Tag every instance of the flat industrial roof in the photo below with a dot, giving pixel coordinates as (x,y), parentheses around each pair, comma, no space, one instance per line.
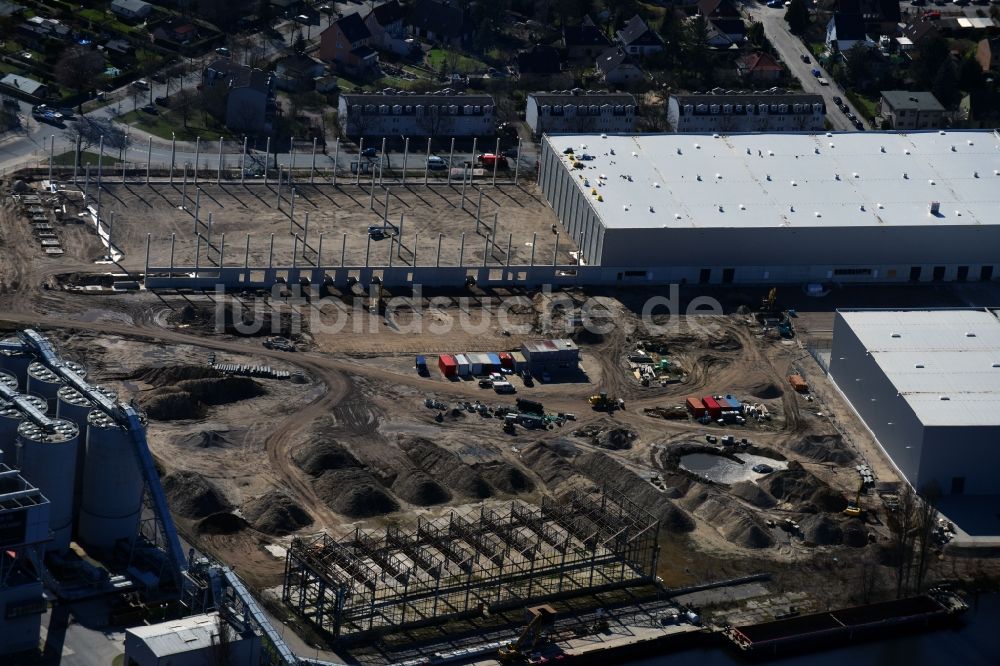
(848,179)
(944,363)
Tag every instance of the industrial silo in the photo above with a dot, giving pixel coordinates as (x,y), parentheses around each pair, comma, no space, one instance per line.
(74,406)
(8,380)
(46,383)
(10,418)
(14,362)
(48,460)
(112,485)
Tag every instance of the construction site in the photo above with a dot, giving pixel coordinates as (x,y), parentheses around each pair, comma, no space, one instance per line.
(653,482)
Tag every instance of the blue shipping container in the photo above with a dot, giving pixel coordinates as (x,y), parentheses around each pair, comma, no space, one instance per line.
(494,361)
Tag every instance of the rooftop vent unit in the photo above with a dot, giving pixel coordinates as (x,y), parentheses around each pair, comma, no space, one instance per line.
(935,207)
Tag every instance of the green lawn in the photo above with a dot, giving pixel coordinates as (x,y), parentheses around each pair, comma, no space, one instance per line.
(864,105)
(462,64)
(87,157)
(97,17)
(168,121)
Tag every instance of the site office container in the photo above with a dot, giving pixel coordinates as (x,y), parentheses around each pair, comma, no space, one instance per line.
(519,361)
(712,407)
(448,365)
(732,403)
(475,364)
(464,367)
(506,360)
(798,383)
(494,362)
(696,407)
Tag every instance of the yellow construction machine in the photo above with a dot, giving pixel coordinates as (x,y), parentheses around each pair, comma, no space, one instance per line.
(542,619)
(854,507)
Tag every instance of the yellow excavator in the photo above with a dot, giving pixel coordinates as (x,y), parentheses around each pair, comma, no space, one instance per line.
(854,509)
(542,619)
(767,304)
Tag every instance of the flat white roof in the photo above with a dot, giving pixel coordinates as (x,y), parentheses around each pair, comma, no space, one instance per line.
(847,179)
(944,363)
(179,636)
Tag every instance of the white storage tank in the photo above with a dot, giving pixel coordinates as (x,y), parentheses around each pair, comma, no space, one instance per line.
(112,485)
(48,460)
(16,363)
(74,406)
(10,419)
(46,383)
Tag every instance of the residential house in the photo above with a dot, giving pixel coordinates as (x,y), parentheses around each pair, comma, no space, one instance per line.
(388,28)
(728,112)
(131,10)
(907,110)
(579,111)
(119,49)
(881,17)
(726,33)
(435,115)
(22,86)
(241,97)
(297,73)
(585,41)
(288,8)
(439,21)
(10,9)
(179,32)
(981,109)
(916,32)
(538,60)
(346,43)
(618,69)
(717,9)
(37,29)
(988,53)
(638,39)
(759,66)
(845,31)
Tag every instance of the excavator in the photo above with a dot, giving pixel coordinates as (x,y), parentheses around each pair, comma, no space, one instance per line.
(768,304)
(854,509)
(542,619)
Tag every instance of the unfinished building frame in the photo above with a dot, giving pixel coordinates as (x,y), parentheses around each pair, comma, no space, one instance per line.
(494,558)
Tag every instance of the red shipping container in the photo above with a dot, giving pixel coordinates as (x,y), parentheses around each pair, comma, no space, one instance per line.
(696,407)
(448,365)
(506,360)
(712,407)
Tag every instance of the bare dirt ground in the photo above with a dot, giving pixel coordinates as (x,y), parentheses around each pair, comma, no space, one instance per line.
(354,445)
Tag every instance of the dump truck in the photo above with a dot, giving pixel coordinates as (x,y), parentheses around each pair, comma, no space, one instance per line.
(602,402)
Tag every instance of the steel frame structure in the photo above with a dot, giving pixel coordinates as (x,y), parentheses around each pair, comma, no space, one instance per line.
(494,557)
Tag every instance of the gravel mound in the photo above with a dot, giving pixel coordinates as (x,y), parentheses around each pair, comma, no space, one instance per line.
(418,487)
(766,391)
(754,494)
(802,489)
(355,493)
(505,477)
(275,513)
(191,495)
(317,457)
(821,530)
(606,471)
(824,448)
(223,390)
(545,460)
(446,467)
(171,374)
(738,525)
(171,404)
(855,534)
(221,523)
(206,439)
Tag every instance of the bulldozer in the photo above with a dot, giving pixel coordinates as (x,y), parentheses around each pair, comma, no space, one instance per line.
(517,652)
(602,402)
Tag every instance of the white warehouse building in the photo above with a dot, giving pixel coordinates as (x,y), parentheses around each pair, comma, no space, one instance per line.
(773,208)
(927,385)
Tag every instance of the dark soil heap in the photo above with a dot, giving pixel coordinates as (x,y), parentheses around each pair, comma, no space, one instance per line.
(276,513)
(736,523)
(355,493)
(505,477)
(193,496)
(754,494)
(321,455)
(183,391)
(803,490)
(824,448)
(171,404)
(821,530)
(221,523)
(417,487)
(446,467)
(545,460)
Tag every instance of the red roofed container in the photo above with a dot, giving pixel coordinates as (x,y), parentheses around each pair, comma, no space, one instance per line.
(448,365)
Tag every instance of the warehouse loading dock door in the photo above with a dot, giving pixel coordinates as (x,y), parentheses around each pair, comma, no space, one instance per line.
(915,274)
(939,273)
(728,275)
(705,276)
(986,273)
(963,273)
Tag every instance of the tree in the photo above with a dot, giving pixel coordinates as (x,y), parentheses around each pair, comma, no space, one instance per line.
(902,522)
(755,33)
(945,86)
(858,66)
(78,67)
(932,51)
(797,16)
(970,75)
(184,103)
(86,132)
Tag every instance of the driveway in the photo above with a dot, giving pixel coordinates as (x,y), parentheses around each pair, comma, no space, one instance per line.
(791,49)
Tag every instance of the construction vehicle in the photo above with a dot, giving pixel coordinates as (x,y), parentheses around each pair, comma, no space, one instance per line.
(854,507)
(770,302)
(602,402)
(518,652)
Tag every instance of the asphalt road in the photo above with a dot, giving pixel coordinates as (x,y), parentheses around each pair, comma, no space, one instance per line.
(791,49)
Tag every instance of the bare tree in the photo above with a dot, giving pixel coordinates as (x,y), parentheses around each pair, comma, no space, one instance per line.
(184,102)
(902,525)
(926,522)
(86,132)
(433,122)
(78,67)
(222,643)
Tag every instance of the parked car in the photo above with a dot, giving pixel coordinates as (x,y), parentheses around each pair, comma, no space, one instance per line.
(369,152)
(775,4)
(816,73)
(838,101)
(805,58)
(141,84)
(162,101)
(222,51)
(851,116)
(434,162)
(151,110)
(860,125)
(823,81)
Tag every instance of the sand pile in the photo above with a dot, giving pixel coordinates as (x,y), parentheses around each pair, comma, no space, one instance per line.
(821,530)
(171,374)
(605,471)
(170,404)
(355,493)
(193,496)
(275,513)
(803,490)
(824,448)
(446,467)
(223,390)
(738,525)
(318,456)
(548,462)
(418,487)
(766,391)
(221,523)
(206,439)
(251,322)
(754,494)
(505,477)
